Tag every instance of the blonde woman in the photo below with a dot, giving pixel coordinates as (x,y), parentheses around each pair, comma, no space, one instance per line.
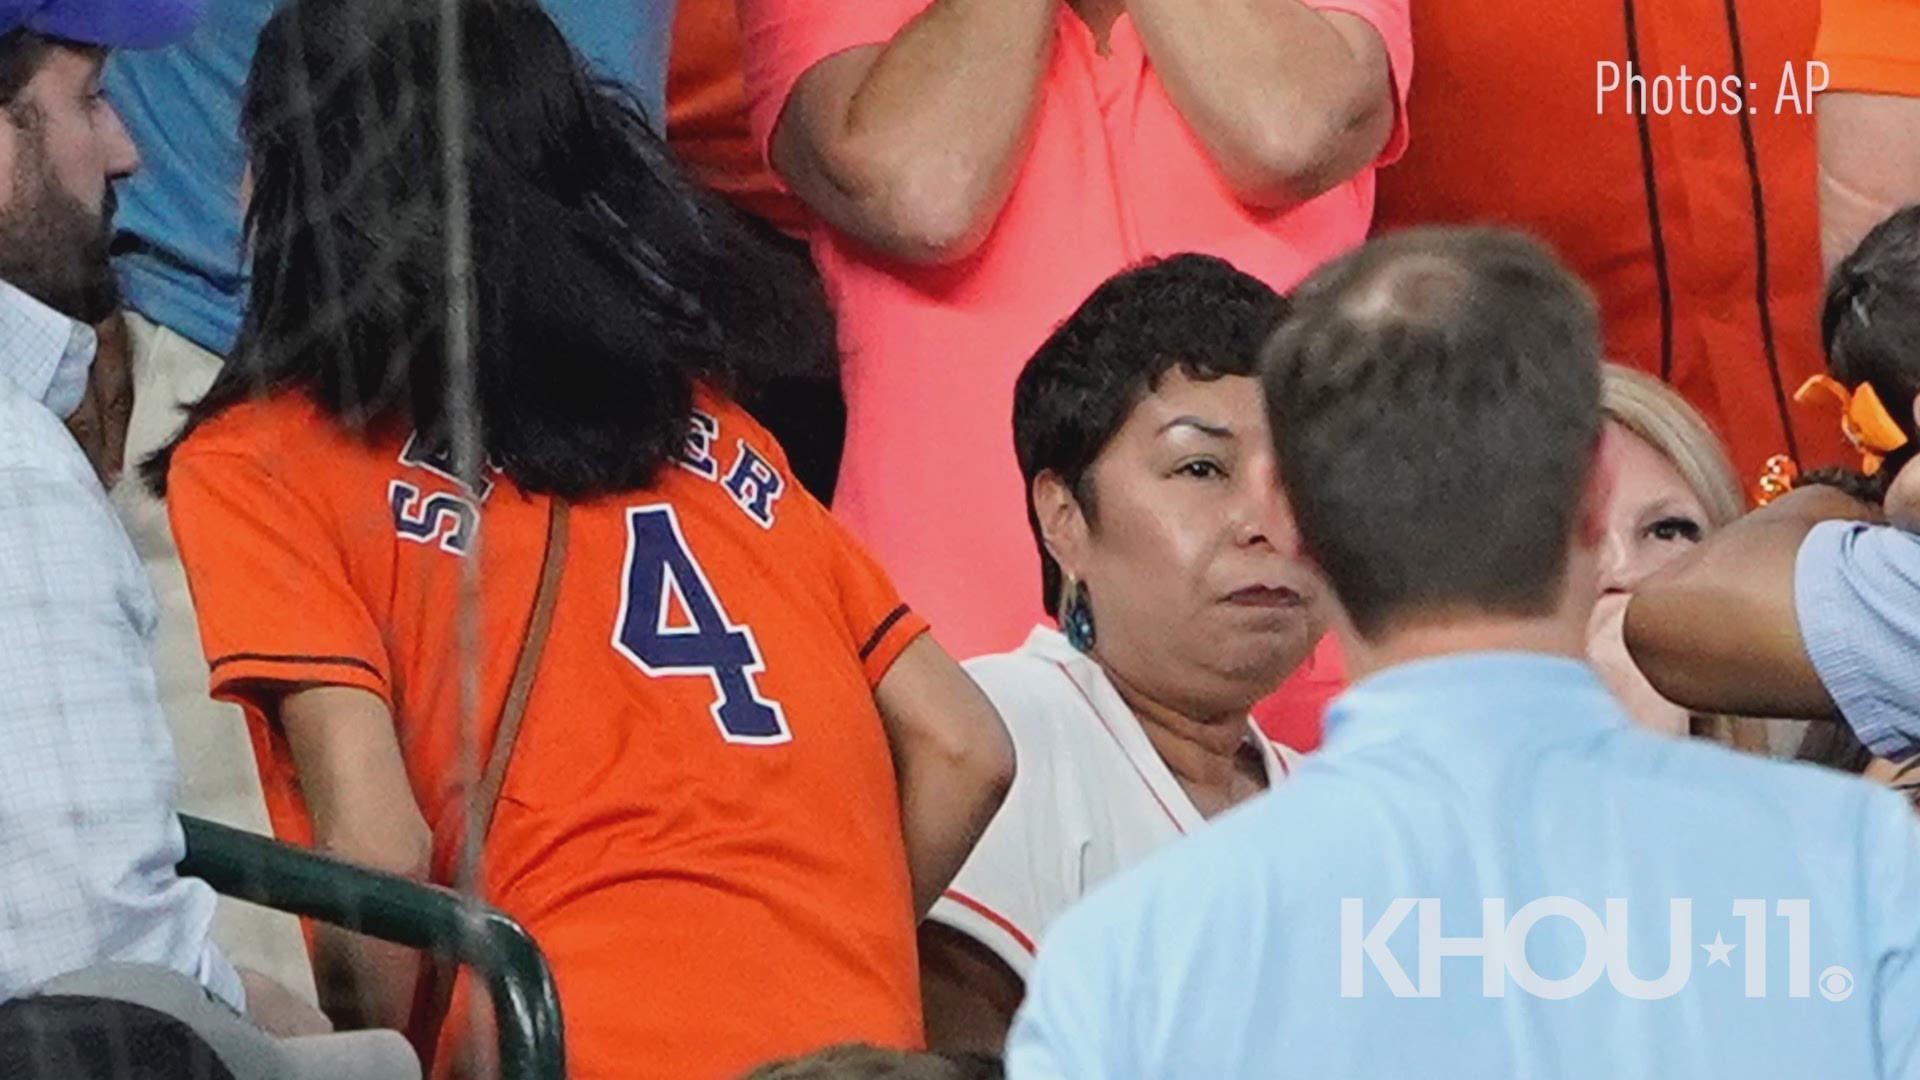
(1672,485)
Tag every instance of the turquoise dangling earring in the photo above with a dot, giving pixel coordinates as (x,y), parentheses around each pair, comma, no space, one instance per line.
(1076,617)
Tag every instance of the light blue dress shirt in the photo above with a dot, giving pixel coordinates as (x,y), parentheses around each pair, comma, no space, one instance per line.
(1268,945)
(88,782)
(1857,595)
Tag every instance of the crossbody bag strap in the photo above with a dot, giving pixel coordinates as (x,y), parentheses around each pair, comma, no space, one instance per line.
(431,1011)
(487,796)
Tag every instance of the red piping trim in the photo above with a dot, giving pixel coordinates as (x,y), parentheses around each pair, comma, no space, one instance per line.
(993,917)
(1115,736)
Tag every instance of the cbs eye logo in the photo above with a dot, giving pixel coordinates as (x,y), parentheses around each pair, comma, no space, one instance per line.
(1836,983)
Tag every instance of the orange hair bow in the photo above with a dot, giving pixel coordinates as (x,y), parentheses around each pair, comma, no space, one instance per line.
(1781,476)
(1863,417)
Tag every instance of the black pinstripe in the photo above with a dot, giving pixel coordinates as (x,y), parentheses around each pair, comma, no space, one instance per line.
(1662,274)
(1762,289)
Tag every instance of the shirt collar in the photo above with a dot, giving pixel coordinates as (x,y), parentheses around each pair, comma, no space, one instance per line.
(44,353)
(1049,644)
(1044,640)
(1522,693)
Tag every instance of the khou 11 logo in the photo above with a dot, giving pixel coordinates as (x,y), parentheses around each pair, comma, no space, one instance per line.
(1502,949)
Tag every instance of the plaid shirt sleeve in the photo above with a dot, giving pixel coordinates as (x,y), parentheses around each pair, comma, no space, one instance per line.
(88,782)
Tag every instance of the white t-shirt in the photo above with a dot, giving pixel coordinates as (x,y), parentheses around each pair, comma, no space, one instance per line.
(1091,797)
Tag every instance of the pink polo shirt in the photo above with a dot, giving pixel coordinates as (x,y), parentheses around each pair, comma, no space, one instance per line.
(928,481)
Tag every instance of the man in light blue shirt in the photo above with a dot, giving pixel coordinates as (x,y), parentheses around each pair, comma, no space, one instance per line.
(1810,607)
(1486,871)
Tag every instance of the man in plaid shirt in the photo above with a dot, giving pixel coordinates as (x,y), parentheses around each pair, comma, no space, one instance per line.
(89,837)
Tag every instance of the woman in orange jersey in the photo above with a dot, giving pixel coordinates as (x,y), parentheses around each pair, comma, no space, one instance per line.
(731,767)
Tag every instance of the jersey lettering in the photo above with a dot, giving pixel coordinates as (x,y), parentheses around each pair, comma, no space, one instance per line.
(451,520)
(754,485)
(702,641)
(446,519)
(697,455)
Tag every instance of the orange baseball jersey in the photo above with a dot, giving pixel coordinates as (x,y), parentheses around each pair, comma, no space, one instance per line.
(707,122)
(1694,221)
(1871,46)
(700,823)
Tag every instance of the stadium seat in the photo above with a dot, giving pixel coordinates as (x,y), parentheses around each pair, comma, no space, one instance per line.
(496,948)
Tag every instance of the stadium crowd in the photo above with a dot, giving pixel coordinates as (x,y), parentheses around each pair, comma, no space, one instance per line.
(961,538)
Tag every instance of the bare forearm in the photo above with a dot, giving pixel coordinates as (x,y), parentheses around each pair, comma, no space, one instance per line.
(914,149)
(1737,655)
(953,760)
(1718,631)
(1869,166)
(364,982)
(943,811)
(1288,102)
(354,778)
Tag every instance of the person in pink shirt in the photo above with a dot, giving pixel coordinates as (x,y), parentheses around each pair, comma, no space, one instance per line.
(977,167)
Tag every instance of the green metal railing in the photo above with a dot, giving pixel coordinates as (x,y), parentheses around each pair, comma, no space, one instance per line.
(286,878)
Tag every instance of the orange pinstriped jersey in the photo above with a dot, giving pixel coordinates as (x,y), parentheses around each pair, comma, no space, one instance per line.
(1871,46)
(700,823)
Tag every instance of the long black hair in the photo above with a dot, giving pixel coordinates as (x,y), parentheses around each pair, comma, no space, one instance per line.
(604,284)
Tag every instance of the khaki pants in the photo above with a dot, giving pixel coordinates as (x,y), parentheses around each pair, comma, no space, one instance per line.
(219,779)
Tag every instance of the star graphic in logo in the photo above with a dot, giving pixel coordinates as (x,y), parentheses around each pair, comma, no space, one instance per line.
(1717,952)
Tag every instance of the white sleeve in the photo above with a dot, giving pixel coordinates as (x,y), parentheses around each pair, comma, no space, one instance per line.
(1024,872)
(88,782)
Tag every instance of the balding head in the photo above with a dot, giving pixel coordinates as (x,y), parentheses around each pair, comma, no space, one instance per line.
(1436,407)
(1420,287)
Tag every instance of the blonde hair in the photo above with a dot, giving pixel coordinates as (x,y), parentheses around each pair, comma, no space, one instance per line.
(1654,412)
(1662,418)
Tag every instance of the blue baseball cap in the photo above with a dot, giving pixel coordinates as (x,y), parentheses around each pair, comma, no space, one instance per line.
(112,24)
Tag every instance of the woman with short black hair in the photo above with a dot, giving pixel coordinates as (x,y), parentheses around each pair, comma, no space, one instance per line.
(1169,564)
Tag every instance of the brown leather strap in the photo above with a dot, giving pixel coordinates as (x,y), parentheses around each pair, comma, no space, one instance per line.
(520,690)
(430,1013)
